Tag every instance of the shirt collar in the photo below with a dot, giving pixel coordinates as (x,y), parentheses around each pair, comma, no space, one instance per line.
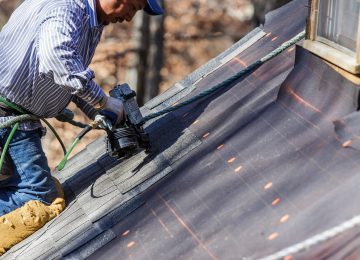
(91,11)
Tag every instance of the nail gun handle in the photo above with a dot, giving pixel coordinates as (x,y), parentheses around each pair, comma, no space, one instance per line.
(131,107)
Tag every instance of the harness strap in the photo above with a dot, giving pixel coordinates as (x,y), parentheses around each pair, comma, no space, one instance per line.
(18,115)
(7,109)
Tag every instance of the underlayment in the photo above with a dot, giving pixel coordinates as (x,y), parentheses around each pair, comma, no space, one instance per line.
(270,173)
(245,172)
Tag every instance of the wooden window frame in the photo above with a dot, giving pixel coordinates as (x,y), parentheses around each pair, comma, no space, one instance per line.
(327,49)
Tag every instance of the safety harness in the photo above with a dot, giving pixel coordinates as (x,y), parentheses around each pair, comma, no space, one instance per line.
(18,114)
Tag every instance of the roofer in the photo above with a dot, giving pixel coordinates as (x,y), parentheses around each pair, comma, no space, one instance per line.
(45,50)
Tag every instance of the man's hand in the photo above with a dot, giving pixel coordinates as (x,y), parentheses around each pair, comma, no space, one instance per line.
(113,109)
(102,122)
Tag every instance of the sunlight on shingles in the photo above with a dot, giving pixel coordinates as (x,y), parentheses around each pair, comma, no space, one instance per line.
(291,49)
(275,202)
(221,146)
(195,122)
(274,39)
(126,233)
(238,169)
(268,186)
(206,135)
(231,160)
(131,244)
(273,236)
(346,144)
(284,218)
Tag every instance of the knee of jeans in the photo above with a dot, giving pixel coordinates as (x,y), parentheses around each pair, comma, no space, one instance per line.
(9,201)
(53,191)
(5,210)
(51,196)
(47,195)
(3,131)
(45,198)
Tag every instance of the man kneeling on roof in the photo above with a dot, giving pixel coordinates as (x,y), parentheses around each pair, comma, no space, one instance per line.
(45,50)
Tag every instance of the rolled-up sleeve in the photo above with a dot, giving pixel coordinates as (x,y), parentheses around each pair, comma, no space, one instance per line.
(59,37)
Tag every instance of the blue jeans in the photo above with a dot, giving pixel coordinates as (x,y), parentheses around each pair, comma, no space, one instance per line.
(31,179)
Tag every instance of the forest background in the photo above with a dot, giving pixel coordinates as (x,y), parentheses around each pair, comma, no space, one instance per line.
(153,53)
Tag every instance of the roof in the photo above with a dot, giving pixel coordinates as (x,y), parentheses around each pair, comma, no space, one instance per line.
(245,172)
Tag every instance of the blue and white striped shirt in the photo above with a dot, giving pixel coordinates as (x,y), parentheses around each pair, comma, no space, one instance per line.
(45,50)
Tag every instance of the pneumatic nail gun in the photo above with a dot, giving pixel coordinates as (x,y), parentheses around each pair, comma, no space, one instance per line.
(125,141)
(121,142)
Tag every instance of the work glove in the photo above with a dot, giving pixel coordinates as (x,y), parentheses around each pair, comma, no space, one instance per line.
(113,110)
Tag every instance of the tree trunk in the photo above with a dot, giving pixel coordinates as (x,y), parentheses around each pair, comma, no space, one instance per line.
(262,7)
(135,75)
(155,59)
(145,66)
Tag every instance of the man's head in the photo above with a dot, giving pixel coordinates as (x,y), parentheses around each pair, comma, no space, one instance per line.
(112,11)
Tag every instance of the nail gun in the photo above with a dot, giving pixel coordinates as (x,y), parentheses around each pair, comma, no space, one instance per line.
(126,140)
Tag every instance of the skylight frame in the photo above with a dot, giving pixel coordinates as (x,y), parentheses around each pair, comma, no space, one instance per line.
(327,49)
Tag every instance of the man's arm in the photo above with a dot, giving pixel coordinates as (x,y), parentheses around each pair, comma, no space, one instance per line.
(59,40)
(87,109)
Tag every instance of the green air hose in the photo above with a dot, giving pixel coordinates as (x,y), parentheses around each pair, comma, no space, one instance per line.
(13,130)
(15,124)
(76,141)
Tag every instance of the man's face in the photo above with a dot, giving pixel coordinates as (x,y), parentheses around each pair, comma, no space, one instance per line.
(112,11)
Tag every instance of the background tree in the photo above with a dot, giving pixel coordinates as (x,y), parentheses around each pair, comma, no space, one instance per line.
(6,8)
(147,61)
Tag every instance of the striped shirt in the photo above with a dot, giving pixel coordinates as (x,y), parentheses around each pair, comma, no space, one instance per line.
(45,50)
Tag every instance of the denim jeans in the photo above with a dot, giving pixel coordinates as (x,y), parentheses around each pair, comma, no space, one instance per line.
(31,179)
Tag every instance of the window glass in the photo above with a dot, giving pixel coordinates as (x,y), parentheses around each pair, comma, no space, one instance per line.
(338,22)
